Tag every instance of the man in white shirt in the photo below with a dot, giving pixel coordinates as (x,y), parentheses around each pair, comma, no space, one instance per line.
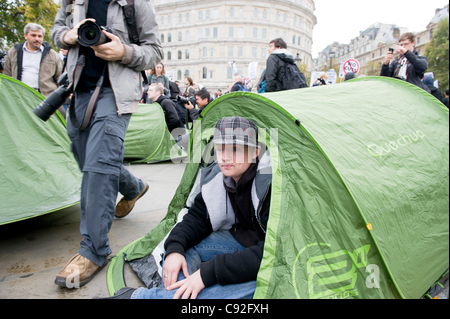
(34,62)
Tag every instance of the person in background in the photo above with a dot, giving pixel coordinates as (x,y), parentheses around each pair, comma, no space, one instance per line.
(429,82)
(189,91)
(410,66)
(202,99)
(34,62)
(322,80)
(445,99)
(158,75)
(156,94)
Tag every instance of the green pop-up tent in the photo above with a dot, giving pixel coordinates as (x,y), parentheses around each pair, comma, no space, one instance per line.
(360,191)
(38,173)
(148,139)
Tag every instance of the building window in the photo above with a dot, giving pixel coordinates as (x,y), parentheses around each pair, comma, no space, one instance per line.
(255,14)
(241,12)
(187,54)
(162,38)
(186,73)
(180,36)
(205,73)
(180,55)
(265,14)
(241,32)
(240,52)
(169,56)
(229,73)
(216,33)
(231,32)
(179,75)
(180,18)
(205,52)
(231,12)
(169,38)
(230,52)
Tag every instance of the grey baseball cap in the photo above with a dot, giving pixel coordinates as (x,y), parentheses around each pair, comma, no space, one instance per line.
(236,131)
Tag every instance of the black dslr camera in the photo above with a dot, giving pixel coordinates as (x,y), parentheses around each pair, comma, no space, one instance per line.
(91,35)
(51,104)
(182,100)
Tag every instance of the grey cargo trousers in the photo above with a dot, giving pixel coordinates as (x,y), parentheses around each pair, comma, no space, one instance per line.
(99,151)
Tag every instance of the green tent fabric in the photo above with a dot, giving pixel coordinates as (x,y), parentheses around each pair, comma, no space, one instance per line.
(148,139)
(38,173)
(360,190)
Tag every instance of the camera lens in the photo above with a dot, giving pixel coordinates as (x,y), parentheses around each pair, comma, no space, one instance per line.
(90,34)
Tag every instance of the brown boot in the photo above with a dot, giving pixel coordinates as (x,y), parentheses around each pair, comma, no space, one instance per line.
(124,207)
(78,272)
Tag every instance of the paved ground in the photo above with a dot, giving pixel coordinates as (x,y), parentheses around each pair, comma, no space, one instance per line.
(32,252)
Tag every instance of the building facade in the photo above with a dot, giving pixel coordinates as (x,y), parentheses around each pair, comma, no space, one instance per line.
(200,38)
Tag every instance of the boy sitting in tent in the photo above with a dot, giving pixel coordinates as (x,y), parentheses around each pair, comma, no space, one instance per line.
(216,251)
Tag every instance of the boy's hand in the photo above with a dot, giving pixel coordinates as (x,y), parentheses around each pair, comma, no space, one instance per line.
(189,288)
(172,266)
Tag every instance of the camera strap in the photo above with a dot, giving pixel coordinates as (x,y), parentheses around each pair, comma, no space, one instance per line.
(90,108)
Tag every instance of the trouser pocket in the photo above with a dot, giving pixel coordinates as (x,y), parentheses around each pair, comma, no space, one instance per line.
(112,147)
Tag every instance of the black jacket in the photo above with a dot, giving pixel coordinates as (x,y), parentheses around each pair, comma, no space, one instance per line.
(170,113)
(436,93)
(417,66)
(276,72)
(227,269)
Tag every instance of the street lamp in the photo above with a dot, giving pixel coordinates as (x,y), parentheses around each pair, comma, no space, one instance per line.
(298,60)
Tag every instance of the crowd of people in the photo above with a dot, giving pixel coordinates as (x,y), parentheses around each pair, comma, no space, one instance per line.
(240,235)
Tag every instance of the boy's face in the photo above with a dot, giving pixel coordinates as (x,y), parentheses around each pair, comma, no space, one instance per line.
(234,160)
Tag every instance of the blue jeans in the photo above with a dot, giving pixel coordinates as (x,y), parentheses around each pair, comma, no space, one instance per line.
(218,243)
(99,151)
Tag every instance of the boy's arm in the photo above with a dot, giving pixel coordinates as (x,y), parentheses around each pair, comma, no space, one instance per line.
(237,268)
(192,230)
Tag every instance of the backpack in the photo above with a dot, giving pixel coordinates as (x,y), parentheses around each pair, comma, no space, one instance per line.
(294,78)
(243,88)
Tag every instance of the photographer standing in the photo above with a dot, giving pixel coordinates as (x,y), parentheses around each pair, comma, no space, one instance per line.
(98,143)
(409,67)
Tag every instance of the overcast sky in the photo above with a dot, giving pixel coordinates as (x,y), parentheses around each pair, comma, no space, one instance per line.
(341,20)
